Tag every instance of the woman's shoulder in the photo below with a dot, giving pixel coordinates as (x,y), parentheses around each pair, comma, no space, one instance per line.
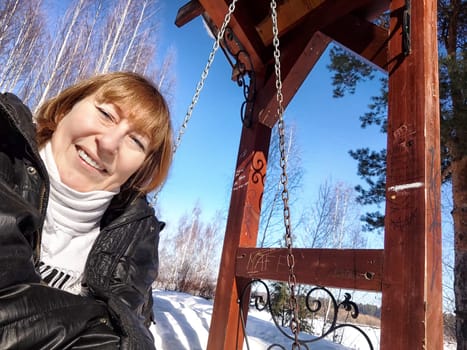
(15,114)
(14,106)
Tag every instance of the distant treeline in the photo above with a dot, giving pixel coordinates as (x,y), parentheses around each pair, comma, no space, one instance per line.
(368,309)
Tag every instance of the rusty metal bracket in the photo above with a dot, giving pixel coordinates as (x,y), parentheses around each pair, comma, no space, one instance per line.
(242,72)
(406,39)
(242,69)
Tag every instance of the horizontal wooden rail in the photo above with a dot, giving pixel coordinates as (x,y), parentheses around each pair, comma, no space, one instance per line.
(341,268)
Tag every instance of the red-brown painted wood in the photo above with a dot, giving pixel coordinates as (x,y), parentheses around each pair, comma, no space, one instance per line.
(341,268)
(411,277)
(362,37)
(412,301)
(188,12)
(242,229)
(298,59)
(217,11)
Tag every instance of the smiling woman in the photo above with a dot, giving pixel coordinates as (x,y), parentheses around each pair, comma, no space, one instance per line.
(114,98)
(96,147)
(78,240)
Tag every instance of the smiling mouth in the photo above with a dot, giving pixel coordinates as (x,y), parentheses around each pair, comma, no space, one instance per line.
(88,160)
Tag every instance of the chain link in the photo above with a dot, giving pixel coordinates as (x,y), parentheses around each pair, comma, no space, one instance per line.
(293,303)
(199,87)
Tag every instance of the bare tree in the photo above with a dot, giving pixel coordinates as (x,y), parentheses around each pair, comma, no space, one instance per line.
(332,221)
(316,223)
(38,61)
(21,27)
(116,29)
(61,58)
(194,253)
(271,227)
(7,20)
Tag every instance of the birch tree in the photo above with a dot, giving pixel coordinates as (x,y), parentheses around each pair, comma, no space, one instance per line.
(271,227)
(7,20)
(93,36)
(332,221)
(116,31)
(21,27)
(192,255)
(63,48)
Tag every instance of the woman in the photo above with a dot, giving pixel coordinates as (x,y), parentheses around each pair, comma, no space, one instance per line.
(78,240)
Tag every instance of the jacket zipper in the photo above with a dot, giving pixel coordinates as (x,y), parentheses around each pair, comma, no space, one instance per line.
(42,206)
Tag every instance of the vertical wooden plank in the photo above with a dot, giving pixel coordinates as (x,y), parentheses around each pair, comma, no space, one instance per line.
(241,230)
(412,301)
(245,204)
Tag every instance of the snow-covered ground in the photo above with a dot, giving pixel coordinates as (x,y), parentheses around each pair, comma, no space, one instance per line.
(182,322)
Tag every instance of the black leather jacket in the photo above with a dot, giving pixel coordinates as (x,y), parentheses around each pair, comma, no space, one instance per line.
(122,263)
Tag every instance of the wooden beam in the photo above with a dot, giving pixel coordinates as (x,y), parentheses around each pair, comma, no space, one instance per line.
(324,14)
(340,268)
(300,49)
(412,291)
(299,56)
(216,11)
(289,13)
(373,9)
(188,12)
(241,230)
(364,38)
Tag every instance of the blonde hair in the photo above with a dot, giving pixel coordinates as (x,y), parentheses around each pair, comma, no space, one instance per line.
(146,108)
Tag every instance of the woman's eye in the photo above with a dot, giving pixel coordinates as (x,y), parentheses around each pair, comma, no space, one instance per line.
(138,142)
(104,113)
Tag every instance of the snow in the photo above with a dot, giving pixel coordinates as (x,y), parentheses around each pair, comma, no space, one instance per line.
(182,322)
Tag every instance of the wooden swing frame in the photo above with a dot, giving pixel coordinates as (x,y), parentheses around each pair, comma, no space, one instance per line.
(407,271)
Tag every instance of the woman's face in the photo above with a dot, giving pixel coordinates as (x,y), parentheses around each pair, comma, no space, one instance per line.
(96,148)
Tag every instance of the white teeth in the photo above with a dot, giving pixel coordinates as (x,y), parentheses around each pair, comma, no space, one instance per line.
(88,160)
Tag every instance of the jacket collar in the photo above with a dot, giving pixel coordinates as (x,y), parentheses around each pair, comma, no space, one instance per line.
(125,207)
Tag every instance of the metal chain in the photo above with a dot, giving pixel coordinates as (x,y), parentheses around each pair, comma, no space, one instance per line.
(293,304)
(199,87)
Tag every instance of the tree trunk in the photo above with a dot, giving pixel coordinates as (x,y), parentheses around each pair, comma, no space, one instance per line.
(135,33)
(116,37)
(459,193)
(60,56)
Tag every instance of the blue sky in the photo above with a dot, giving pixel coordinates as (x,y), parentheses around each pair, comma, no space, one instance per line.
(204,164)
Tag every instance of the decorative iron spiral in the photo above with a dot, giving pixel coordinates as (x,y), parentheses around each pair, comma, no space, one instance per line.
(313,305)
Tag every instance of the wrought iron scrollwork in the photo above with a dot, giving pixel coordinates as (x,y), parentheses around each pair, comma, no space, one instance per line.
(242,72)
(313,305)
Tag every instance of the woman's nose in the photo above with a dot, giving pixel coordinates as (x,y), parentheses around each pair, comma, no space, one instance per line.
(110,140)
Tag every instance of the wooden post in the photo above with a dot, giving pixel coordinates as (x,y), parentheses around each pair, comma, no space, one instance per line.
(412,295)
(241,231)
(245,203)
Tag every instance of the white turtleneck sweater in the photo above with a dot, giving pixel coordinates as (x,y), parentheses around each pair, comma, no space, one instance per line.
(70,229)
